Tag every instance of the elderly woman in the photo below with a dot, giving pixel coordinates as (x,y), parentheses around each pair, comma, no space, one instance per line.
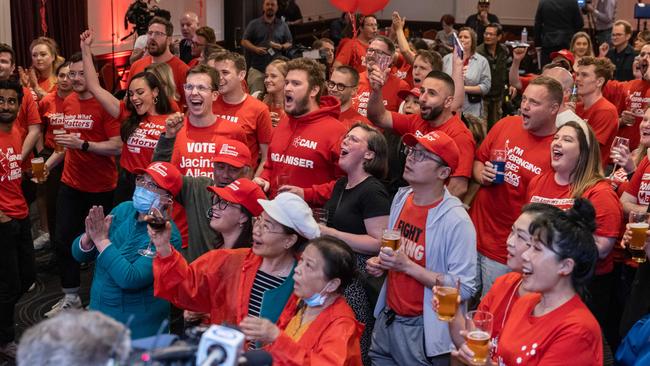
(322,330)
(123,281)
(231,284)
(476,72)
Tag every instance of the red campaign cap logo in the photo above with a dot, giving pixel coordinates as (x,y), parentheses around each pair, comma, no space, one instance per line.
(234,185)
(159,168)
(228,150)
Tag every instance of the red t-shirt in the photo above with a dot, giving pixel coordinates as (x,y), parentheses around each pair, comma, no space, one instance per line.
(196,146)
(27,116)
(405,293)
(453,127)
(639,186)
(306,148)
(567,335)
(389,92)
(179,70)
(83,170)
(253,117)
(602,116)
(277,114)
(12,201)
(500,300)
(51,109)
(138,149)
(496,207)
(634,96)
(609,212)
(351,116)
(353,53)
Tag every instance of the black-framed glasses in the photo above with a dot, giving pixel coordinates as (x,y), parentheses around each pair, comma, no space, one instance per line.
(420,155)
(338,86)
(373,51)
(156,34)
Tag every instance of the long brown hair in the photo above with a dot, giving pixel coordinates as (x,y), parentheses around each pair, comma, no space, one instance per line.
(588,170)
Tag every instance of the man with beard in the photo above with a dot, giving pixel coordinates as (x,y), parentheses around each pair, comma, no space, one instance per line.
(526,140)
(189,24)
(265,38)
(380,54)
(203,36)
(353,51)
(239,107)
(17,269)
(305,146)
(231,161)
(342,85)
(159,35)
(436,114)
(89,175)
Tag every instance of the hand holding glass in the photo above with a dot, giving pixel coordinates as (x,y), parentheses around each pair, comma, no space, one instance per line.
(447,292)
(157,217)
(639,226)
(479,332)
(617,144)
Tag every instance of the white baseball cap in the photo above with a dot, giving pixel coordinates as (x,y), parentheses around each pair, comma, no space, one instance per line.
(292,211)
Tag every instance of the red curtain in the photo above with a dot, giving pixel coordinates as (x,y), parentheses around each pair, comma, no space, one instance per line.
(65,20)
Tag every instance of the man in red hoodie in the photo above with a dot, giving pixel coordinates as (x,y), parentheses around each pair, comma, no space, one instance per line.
(305,147)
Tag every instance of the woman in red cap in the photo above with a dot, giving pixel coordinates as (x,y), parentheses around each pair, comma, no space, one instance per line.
(122,285)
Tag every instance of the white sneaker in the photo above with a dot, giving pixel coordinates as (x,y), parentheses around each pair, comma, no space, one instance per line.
(66,303)
(41,241)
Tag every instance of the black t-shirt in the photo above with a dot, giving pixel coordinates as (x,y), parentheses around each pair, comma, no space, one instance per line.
(347,208)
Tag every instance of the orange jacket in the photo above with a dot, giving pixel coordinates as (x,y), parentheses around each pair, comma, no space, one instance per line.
(332,339)
(219,282)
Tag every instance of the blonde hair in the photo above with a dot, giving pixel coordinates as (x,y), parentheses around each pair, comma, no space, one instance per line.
(163,72)
(590,48)
(53,47)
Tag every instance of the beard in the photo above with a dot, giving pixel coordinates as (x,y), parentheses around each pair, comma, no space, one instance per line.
(156,50)
(432,114)
(7,116)
(302,107)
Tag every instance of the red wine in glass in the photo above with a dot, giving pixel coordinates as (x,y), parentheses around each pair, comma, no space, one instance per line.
(159,214)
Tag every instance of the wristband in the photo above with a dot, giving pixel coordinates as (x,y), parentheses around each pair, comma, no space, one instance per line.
(85,146)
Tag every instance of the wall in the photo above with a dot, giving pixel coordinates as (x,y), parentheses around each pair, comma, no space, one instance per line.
(5,21)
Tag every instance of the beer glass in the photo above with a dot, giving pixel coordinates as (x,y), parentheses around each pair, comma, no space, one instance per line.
(38,169)
(390,238)
(448,290)
(498,159)
(479,332)
(320,215)
(639,226)
(157,217)
(58,148)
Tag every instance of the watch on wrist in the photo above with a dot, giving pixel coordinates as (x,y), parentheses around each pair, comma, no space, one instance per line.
(85,146)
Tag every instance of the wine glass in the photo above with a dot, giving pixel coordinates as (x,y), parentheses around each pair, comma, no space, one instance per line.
(618,143)
(157,217)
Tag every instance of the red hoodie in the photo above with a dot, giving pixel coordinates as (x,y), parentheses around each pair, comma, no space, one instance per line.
(306,148)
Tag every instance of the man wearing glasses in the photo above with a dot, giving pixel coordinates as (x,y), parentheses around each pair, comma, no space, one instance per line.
(353,51)
(380,54)
(622,53)
(342,85)
(159,35)
(436,238)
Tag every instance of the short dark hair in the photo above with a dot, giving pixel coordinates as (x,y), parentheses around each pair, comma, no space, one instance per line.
(8,49)
(13,84)
(319,43)
(339,259)
(553,87)
(76,57)
(432,57)
(362,21)
(207,33)
(377,166)
(169,27)
(315,73)
(448,19)
(349,70)
(497,26)
(63,64)
(236,58)
(205,69)
(444,77)
(387,41)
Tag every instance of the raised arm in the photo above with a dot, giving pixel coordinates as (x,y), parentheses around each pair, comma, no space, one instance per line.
(402,42)
(103,96)
(377,113)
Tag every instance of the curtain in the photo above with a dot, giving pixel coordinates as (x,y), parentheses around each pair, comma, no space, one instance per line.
(65,20)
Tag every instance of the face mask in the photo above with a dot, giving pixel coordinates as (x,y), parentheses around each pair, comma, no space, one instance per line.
(143,199)
(317,299)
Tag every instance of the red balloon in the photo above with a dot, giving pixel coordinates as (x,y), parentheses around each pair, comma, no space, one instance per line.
(348,6)
(367,7)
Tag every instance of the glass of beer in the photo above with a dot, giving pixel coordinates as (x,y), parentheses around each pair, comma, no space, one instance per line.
(447,292)
(38,169)
(320,215)
(58,148)
(479,332)
(639,226)
(390,238)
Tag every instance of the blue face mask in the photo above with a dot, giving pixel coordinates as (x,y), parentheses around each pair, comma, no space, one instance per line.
(143,199)
(317,299)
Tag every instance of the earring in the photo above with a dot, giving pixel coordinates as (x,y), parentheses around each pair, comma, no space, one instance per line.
(155,100)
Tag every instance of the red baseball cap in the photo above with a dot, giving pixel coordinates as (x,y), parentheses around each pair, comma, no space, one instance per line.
(564,53)
(402,94)
(438,143)
(233,152)
(242,191)
(165,175)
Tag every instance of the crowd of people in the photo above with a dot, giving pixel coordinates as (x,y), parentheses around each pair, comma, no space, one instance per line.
(265,192)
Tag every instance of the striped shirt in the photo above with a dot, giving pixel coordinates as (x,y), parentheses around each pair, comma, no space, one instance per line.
(263,282)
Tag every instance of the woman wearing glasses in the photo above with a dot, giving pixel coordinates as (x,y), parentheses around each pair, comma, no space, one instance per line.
(231,284)
(122,284)
(143,114)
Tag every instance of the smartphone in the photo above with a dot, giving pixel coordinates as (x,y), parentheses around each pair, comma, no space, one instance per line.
(383,61)
(459,47)
(581,3)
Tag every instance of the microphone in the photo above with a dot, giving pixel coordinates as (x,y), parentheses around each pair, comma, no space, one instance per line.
(216,356)
(220,345)
(256,357)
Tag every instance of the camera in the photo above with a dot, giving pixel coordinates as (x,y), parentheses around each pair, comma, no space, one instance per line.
(139,14)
